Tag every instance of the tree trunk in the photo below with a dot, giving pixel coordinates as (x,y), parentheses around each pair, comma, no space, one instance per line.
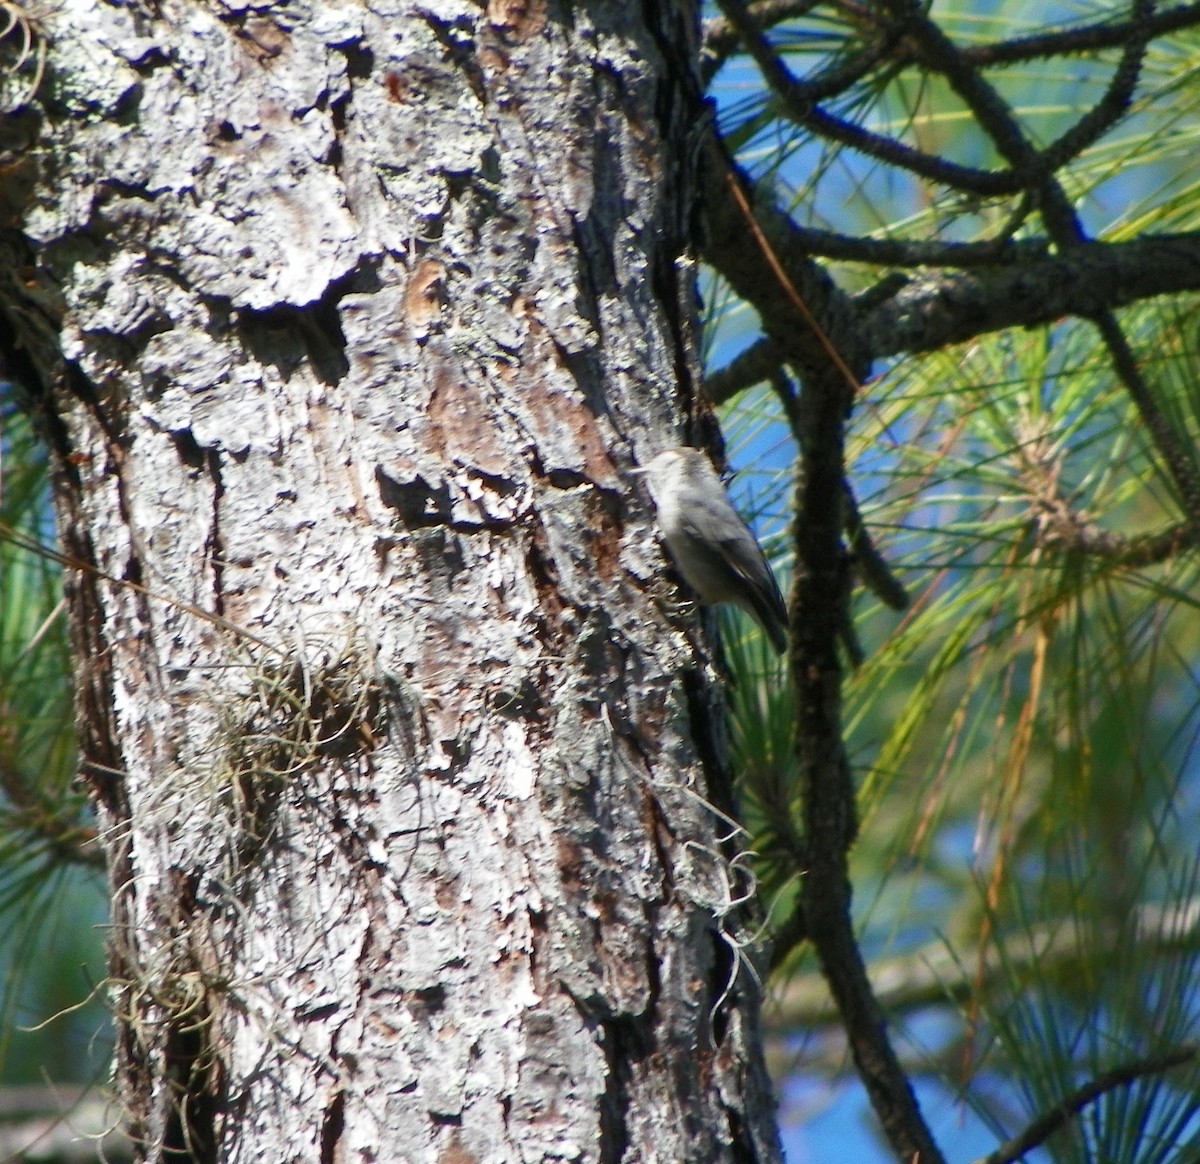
(404,753)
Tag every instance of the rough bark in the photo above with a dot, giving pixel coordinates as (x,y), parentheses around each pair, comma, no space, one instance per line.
(403,751)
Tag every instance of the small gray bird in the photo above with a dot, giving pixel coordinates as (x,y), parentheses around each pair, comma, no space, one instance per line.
(711,546)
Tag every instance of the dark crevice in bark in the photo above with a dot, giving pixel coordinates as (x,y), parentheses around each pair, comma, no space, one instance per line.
(332,1126)
(188,448)
(284,336)
(421,505)
(360,60)
(110,419)
(740,1139)
(99,758)
(216,541)
(560,477)
(115,186)
(622,1048)
(543,572)
(207,460)
(190,1133)
(456,35)
(598,272)
(681,110)
(259,35)
(106,412)
(722,984)
(193,1089)
(676,291)
(631,1045)
(418,504)
(704,709)
(325,340)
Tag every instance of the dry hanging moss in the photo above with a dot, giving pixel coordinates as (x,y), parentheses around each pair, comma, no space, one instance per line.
(302,707)
(22,56)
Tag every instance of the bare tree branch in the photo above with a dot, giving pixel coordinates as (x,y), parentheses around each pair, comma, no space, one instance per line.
(1117,97)
(1059,214)
(1085,38)
(757,363)
(721,38)
(899,252)
(947,308)
(797,102)
(804,315)
(734,251)
(937,51)
(813,322)
(994,115)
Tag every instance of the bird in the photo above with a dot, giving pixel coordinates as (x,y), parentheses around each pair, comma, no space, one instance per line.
(711,546)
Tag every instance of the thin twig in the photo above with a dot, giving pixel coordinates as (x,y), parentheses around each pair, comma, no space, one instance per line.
(720,37)
(788,287)
(32,545)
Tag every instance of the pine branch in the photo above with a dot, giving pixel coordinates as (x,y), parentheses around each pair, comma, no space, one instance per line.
(1177,458)
(933,976)
(1059,1116)
(994,115)
(49,825)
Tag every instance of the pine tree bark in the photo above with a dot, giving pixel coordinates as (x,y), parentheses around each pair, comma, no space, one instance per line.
(346,321)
